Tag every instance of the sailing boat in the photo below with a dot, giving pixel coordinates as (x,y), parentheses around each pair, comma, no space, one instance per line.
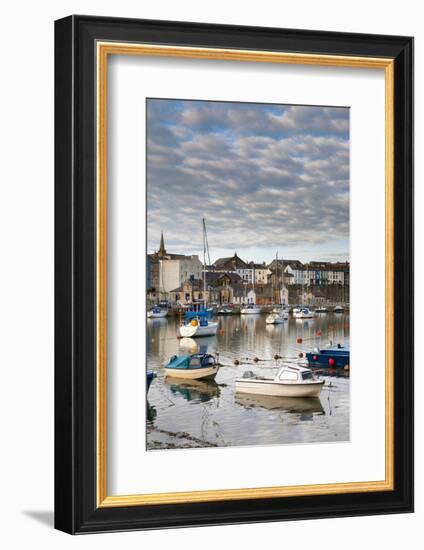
(278,314)
(200,325)
(250,309)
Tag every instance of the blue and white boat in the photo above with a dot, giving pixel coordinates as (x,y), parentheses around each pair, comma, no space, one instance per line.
(304,313)
(331,357)
(195,366)
(157,312)
(198,310)
(150,376)
(198,326)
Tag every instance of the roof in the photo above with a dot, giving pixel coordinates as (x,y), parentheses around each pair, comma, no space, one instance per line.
(233,262)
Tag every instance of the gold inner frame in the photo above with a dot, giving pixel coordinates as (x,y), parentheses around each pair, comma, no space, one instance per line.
(104,49)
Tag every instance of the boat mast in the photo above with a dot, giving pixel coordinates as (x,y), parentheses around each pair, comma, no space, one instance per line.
(278,281)
(205,250)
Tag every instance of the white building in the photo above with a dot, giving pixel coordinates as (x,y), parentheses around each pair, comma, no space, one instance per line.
(174,271)
(260,273)
(295,268)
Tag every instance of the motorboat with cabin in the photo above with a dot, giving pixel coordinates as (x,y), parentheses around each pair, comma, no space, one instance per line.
(225,310)
(274,319)
(250,309)
(157,313)
(290,381)
(304,313)
(329,357)
(196,366)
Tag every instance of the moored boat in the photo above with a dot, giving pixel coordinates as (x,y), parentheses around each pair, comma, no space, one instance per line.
(157,313)
(193,367)
(250,309)
(331,357)
(150,376)
(198,326)
(338,309)
(321,310)
(225,310)
(304,313)
(290,381)
(274,319)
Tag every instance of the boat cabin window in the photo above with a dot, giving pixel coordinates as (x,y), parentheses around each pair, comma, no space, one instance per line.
(195,362)
(306,375)
(288,375)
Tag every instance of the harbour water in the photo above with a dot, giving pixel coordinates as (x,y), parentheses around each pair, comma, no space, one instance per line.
(183,414)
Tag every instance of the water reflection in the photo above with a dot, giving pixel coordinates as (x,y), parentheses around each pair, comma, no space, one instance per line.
(211,414)
(197,391)
(289,404)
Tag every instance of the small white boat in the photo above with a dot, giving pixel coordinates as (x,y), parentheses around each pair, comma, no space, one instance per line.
(304,313)
(290,381)
(281,311)
(225,311)
(198,327)
(338,309)
(250,309)
(274,319)
(321,310)
(157,313)
(296,310)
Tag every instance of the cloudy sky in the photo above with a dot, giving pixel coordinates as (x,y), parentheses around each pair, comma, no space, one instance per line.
(266,178)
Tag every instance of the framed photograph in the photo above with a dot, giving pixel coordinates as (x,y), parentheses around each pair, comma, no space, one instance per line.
(234,274)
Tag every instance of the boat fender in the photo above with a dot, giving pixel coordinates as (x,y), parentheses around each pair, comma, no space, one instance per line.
(331,362)
(193,322)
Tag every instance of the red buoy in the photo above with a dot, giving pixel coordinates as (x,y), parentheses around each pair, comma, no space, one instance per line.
(300,354)
(299,340)
(315,357)
(331,362)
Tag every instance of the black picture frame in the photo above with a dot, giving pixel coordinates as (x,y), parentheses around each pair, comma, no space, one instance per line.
(76,510)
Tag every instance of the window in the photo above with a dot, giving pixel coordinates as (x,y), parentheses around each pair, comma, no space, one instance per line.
(288,375)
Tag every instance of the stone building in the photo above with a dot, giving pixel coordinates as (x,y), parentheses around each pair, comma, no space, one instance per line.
(166,271)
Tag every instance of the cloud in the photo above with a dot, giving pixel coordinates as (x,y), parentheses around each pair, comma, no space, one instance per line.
(263,176)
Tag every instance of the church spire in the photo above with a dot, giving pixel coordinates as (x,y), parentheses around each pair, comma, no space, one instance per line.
(162,250)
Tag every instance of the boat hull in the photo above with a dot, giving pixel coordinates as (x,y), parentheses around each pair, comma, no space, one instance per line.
(250,311)
(158,315)
(190,331)
(341,360)
(150,376)
(204,373)
(274,319)
(269,387)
